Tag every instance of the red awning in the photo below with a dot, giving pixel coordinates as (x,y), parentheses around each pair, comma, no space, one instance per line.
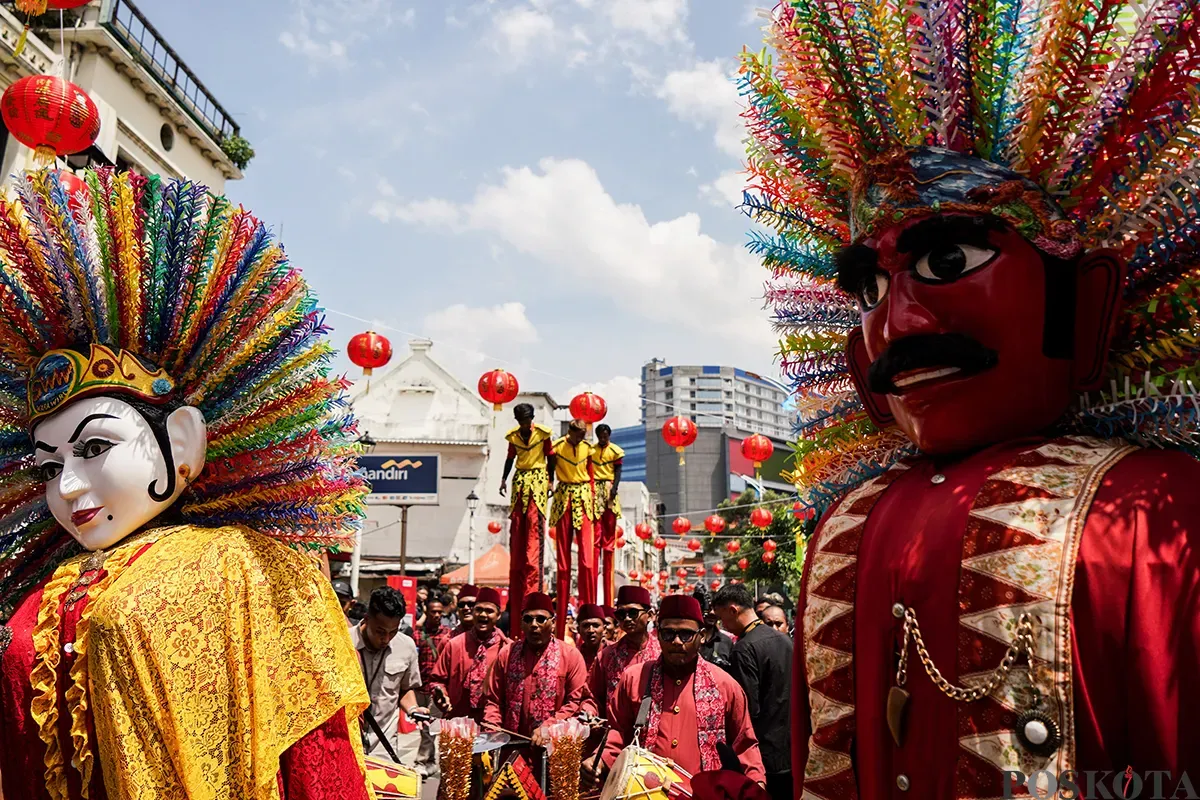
(491,569)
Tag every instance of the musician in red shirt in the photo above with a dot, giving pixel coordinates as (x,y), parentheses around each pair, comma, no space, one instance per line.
(590,623)
(538,678)
(694,706)
(459,678)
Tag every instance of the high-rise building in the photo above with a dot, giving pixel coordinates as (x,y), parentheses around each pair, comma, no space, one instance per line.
(727,404)
(715,397)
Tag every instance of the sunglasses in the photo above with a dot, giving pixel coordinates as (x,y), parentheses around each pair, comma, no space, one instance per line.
(668,635)
(466,604)
(535,619)
(628,613)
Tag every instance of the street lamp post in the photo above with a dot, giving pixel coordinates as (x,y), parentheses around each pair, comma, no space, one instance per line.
(472,504)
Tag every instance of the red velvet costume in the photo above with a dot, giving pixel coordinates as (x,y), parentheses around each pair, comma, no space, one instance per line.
(1135,623)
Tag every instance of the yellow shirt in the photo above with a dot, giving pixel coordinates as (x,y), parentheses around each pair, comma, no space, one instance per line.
(531,454)
(572,464)
(604,459)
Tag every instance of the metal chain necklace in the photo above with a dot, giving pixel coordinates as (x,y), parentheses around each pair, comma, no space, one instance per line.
(1036,731)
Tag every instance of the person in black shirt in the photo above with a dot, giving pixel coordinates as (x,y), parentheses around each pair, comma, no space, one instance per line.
(717,647)
(762,664)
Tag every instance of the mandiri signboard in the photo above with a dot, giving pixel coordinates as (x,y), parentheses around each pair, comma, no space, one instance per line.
(402,480)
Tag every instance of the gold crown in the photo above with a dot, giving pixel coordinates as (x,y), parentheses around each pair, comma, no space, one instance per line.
(65,375)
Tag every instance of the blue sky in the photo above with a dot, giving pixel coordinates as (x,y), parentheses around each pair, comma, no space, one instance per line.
(545,185)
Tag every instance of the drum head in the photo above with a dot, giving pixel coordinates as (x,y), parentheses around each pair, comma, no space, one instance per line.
(618,777)
(490,741)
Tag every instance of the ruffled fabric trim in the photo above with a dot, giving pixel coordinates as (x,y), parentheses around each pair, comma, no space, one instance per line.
(45,673)
(44,678)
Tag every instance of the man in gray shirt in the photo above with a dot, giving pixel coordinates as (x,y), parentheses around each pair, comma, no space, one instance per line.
(389,663)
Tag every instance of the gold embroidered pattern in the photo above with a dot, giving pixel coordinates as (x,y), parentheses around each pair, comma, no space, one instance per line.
(579,496)
(531,486)
(203,661)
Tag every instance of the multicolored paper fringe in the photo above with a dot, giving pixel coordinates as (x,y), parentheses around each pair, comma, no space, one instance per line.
(1097,101)
(200,288)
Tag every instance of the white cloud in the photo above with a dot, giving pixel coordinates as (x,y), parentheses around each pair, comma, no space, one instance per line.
(726,190)
(561,215)
(657,20)
(322,31)
(520,31)
(468,336)
(621,393)
(706,96)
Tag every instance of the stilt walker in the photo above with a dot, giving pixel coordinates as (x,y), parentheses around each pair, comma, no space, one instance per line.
(573,518)
(987,217)
(607,460)
(530,447)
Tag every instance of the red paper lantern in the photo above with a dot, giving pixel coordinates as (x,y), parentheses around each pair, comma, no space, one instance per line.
(36,7)
(714,524)
(679,432)
(718,568)
(660,543)
(643,531)
(768,556)
(715,585)
(769,545)
(700,570)
(76,189)
(694,545)
(495,526)
(743,563)
(758,449)
(681,573)
(620,542)
(663,575)
(681,525)
(761,518)
(370,351)
(498,387)
(588,407)
(50,115)
(634,575)
(733,546)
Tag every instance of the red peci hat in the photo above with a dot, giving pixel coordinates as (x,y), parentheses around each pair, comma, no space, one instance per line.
(633,594)
(539,601)
(589,611)
(680,606)
(488,595)
(468,590)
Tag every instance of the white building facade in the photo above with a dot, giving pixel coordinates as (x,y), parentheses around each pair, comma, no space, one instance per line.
(156,117)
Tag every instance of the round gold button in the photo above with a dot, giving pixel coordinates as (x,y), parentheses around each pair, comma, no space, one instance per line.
(678,682)
(902,783)
(676,709)
(674,743)
(898,610)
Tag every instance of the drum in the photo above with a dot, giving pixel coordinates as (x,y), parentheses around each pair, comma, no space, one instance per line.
(638,774)
(392,781)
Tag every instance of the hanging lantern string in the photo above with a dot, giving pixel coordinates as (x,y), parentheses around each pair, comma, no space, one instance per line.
(524,368)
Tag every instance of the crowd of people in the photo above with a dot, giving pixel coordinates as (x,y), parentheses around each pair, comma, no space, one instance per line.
(716,669)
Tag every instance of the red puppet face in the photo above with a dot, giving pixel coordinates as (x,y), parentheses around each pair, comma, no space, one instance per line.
(969,335)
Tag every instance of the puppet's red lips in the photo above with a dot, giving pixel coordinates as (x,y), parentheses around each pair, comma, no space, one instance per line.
(84,516)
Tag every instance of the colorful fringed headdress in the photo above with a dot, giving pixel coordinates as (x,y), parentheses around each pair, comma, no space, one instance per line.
(1075,121)
(164,291)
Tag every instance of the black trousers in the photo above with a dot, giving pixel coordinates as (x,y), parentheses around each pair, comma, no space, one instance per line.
(779,786)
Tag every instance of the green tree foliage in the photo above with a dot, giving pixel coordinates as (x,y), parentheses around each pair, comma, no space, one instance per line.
(786,568)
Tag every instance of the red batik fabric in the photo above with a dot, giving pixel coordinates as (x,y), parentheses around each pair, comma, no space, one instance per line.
(545,684)
(710,711)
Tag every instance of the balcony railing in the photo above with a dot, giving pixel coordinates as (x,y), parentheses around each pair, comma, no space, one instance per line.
(124,21)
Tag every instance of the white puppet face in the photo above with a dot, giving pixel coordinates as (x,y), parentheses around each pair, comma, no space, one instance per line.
(106,474)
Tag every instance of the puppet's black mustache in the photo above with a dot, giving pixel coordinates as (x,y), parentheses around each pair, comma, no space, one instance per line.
(928,351)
